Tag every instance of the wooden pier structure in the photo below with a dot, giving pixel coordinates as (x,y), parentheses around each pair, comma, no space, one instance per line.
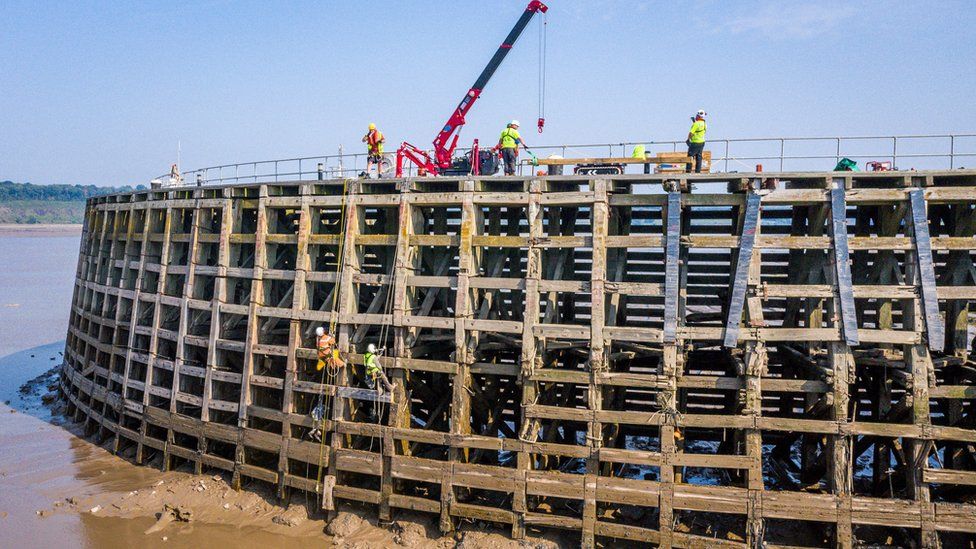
(775,358)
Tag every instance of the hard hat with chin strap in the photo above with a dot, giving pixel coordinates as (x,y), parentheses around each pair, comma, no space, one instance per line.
(371,348)
(514,123)
(372,126)
(320,331)
(701,113)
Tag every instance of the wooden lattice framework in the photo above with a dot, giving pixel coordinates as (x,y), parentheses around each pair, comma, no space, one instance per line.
(729,368)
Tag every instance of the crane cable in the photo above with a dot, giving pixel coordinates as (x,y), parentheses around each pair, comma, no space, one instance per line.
(543,25)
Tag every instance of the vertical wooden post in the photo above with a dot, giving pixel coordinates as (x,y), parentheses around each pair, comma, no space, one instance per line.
(294,339)
(184,320)
(121,320)
(755,361)
(154,339)
(251,341)
(461,400)
(920,315)
(670,369)
(347,305)
(219,297)
(600,213)
(841,362)
(530,427)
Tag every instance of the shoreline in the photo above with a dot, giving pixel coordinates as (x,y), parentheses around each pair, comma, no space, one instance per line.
(40,229)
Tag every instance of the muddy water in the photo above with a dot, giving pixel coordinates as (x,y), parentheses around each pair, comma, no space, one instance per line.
(43,463)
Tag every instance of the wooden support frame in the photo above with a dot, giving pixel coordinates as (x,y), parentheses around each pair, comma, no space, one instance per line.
(579,336)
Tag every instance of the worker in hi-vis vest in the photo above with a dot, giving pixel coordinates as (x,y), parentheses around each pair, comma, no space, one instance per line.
(509,143)
(375,378)
(696,140)
(374,150)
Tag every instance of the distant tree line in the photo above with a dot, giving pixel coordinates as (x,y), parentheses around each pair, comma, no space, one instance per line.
(30,204)
(61,193)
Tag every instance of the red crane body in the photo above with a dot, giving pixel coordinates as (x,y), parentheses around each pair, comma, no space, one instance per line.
(446,141)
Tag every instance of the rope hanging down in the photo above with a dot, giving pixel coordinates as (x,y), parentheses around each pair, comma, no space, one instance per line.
(325,401)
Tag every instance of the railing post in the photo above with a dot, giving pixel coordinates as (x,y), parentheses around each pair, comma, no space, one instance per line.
(321,170)
(726,156)
(894,153)
(952,152)
(782,152)
(837,159)
(199,179)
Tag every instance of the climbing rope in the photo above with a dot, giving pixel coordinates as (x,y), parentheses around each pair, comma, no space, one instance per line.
(325,400)
(379,407)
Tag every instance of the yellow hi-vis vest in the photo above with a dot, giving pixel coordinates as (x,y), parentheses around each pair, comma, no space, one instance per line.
(374,142)
(372,365)
(510,138)
(698,131)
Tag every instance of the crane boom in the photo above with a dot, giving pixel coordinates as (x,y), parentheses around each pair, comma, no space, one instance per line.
(446,141)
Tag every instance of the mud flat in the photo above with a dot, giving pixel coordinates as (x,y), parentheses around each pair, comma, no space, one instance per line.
(73,487)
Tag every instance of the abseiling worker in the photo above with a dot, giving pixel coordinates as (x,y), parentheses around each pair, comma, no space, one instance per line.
(374,372)
(325,344)
(374,149)
(509,143)
(696,140)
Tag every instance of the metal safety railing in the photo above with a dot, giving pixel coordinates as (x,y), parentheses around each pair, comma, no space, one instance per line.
(942,151)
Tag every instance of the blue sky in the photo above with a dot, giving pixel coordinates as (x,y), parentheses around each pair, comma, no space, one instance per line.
(100,92)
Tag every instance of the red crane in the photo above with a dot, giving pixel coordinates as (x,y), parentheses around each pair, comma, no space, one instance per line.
(443,161)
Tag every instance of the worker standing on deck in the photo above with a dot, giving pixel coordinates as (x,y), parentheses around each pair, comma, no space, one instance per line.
(696,140)
(374,150)
(374,372)
(509,143)
(327,352)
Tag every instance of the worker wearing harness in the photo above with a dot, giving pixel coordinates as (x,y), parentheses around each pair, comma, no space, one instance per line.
(696,140)
(328,354)
(374,372)
(374,149)
(509,143)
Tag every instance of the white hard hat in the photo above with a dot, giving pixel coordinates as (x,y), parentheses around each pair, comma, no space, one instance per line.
(514,123)
(701,112)
(319,331)
(371,348)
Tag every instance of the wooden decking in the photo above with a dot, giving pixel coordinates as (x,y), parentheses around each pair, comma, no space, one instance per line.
(791,367)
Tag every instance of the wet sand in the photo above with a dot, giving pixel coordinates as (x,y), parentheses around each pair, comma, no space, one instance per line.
(58,489)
